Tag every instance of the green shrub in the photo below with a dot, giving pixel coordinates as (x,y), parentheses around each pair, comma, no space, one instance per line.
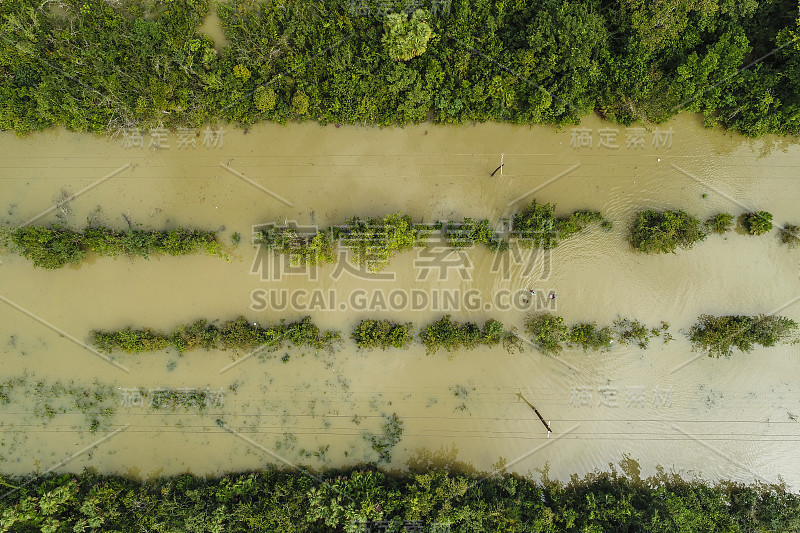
(382,334)
(375,241)
(632,332)
(300,103)
(547,332)
(49,248)
(536,226)
(664,231)
(450,335)
(720,223)
(590,337)
(130,340)
(468,233)
(757,223)
(719,335)
(265,99)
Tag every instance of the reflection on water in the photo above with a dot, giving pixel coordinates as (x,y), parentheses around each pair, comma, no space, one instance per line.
(733,418)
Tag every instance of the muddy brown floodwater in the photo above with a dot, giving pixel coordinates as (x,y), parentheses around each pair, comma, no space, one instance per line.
(730,418)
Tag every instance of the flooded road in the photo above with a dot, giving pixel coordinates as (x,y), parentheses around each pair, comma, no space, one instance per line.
(668,406)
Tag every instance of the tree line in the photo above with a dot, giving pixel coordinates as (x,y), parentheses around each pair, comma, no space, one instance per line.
(424,498)
(91,65)
(716,335)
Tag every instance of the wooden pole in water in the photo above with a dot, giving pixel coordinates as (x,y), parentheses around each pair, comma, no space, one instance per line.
(546,425)
(500,168)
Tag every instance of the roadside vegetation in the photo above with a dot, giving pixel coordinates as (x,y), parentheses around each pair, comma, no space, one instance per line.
(348,500)
(716,335)
(237,335)
(243,335)
(452,336)
(92,65)
(719,335)
(550,334)
(372,242)
(57,246)
(666,231)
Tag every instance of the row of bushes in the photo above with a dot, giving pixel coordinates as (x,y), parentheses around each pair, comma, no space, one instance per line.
(374,241)
(57,246)
(665,231)
(239,334)
(445,334)
(385,62)
(550,333)
(716,335)
(452,498)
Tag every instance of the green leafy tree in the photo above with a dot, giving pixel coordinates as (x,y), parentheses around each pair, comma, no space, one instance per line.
(720,223)
(757,223)
(547,332)
(300,103)
(719,335)
(265,99)
(406,38)
(664,231)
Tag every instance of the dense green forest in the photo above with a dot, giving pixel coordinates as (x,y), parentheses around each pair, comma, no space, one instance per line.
(93,65)
(371,500)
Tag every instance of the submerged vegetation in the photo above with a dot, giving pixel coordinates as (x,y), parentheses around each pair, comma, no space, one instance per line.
(549,333)
(757,223)
(719,335)
(664,231)
(716,335)
(353,500)
(372,242)
(790,235)
(56,246)
(720,223)
(451,335)
(239,334)
(383,334)
(144,64)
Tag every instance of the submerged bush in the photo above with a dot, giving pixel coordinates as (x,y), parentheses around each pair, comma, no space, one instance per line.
(719,335)
(374,241)
(382,334)
(590,337)
(547,332)
(720,223)
(632,332)
(664,231)
(56,246)
(536,226)
(790,235)
(757,223)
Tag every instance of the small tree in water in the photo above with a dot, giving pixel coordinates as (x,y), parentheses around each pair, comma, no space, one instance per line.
(664,231)
(757,223)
